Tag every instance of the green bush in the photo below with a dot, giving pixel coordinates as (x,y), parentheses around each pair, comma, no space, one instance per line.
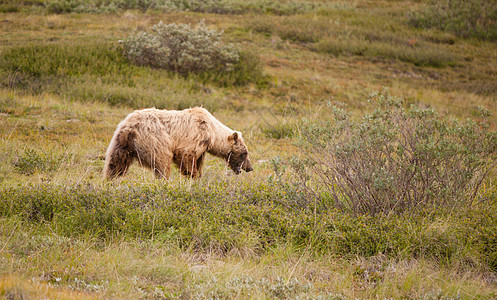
(225,216)
(186,50)
(395,159)
(181,48)
(464,18)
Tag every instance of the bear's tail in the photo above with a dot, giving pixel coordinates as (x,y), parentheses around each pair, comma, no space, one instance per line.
(120,154)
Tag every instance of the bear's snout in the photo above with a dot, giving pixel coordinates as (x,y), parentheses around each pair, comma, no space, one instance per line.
(247,166)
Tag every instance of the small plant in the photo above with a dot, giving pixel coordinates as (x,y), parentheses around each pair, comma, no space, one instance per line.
(396,159)
(181,48)
(31,161)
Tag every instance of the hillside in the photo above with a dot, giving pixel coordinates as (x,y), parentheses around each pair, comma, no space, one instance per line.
(370,126)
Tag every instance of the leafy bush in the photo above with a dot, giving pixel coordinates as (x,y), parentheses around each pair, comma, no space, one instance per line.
(187,50)
(464,18)
(181,48)
(395,159)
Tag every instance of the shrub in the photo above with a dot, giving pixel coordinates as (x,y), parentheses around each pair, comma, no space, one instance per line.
(251,217)
(194,51)
(395,159)
(181,48)
(32,160)
(464,18)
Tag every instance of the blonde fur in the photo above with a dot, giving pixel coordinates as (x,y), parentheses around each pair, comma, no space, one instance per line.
(157,138)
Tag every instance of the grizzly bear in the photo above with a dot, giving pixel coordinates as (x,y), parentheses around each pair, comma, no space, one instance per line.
(157,138)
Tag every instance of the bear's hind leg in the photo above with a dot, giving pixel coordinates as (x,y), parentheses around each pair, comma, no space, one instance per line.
(117,162)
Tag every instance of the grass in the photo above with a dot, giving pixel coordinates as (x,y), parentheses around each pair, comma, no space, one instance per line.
(337,37)
(83,241)
(467,19)
(66,69)
(254,219)
(418,55)
(230,7)
(66,233)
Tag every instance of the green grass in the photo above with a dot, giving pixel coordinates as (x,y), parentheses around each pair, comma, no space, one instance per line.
(418,54)
(66,60)
(101,73)
(279,130)
(474,18)
(157,269)
(346,38)
(229,7)
(225,218)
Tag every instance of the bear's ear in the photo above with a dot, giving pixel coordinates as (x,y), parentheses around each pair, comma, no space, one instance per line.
(233,137)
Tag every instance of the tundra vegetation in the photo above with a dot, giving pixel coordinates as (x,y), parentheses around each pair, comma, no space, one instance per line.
(370,124)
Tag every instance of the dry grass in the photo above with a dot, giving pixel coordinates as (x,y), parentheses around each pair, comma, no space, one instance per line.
(153,269)
(17,287)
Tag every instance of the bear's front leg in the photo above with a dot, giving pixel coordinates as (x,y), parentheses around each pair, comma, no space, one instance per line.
(187,164)
(161,166)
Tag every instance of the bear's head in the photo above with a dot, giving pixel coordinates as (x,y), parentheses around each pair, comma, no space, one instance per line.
(238,156)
